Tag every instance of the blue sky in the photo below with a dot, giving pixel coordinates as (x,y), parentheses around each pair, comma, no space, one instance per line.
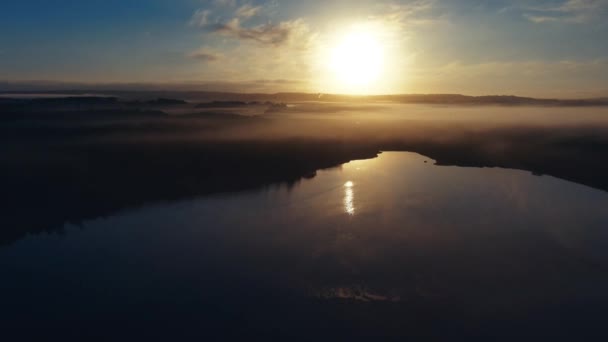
(541,48)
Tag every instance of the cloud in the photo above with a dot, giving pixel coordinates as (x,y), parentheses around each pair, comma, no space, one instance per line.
(236,27)
(225,3)
(200,18)
(540,19)
(248,11)
(581,5)
(402,19)
(412,8)
(266,34)
(569,11)
(412,13)
(205,55)
(245,41)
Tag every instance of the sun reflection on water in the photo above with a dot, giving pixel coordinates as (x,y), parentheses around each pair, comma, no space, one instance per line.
(349,195)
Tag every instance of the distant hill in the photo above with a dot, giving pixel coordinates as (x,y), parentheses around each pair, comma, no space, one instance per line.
(491,100)
(223,99)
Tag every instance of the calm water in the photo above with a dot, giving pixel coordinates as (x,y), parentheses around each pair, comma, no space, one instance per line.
(393,246)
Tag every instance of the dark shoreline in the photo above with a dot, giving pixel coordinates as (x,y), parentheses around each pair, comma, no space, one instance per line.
(123,176)
(61,166)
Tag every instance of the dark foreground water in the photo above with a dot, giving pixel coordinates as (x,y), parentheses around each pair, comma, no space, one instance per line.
(390,247)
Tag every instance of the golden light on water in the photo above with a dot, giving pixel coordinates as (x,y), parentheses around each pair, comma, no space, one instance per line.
(349,196)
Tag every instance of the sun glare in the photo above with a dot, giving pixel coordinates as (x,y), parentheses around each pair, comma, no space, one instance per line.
(356,59)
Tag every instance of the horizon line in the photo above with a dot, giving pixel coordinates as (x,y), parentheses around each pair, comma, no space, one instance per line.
(54,86)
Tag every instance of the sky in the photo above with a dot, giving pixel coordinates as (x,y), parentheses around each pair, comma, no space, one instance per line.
(543,48)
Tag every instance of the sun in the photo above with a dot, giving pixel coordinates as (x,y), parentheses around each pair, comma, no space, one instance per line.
(359,58)
(356,59)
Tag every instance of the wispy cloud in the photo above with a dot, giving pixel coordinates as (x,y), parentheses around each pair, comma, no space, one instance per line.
(268,34)
(413,8)
(569,11)
(540,19)
(237,26)
(225,3)
(400,20)
(205,55)
(246,40)
(200,18)
(419,12)
(248,11)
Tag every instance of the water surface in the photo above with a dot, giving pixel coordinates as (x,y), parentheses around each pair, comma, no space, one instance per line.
(393,246)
